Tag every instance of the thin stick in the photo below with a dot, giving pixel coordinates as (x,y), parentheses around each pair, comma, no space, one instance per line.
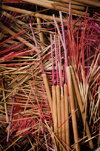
(58,109)
(40,33)
(52,60)
(37,48)
(66,115)
(47,91)
(56,58)
(54,107)
(88,2)
(64,40)
(10,119)
(58,31)
(5,105)
(63,115)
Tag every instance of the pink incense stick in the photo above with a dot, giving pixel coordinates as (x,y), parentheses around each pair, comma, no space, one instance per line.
(52,60)
(58,31)
(10,119)
(65,50)
(60,63)
(64,39)
(56,58)
(37,48)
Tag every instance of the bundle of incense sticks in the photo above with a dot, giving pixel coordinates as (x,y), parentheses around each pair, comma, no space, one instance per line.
(49,76)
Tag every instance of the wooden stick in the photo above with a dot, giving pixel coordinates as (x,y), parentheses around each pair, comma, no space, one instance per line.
(74,122)
(40,2)
(89,2)
(66,116)
(58,110)
(54,102)
(47,91)
(5,105)
(81,107)
(76,7)
(62,114)
(54,107)
(67,1)
(40,33)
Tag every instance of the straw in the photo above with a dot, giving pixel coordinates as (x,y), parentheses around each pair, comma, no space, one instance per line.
(37,48)
(64,40)
(56,59)
(52,60)
(8,134)
(60,63)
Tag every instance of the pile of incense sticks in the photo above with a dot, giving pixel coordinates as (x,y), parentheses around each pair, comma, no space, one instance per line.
(78,6)
(49,77)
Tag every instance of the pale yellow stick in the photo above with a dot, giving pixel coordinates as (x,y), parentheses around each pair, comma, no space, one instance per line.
(58,111)
(62,114)
(54,102)
(47,91)
(74,122)
(66,115)
(89,2)
(81,108)
(72,5)
(40,33)
(5,105)
(67,1)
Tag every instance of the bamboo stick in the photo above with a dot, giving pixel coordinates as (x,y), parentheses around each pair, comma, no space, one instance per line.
(43,3)
(76,7)
(89,2)
(19,37)
(81,108)
(67,1)
(40,33)
(54,102)
(74,122)
(64,9)
(47,91)
(62,114)
(66,116)
(5,105)
(58,110)
(50,4)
